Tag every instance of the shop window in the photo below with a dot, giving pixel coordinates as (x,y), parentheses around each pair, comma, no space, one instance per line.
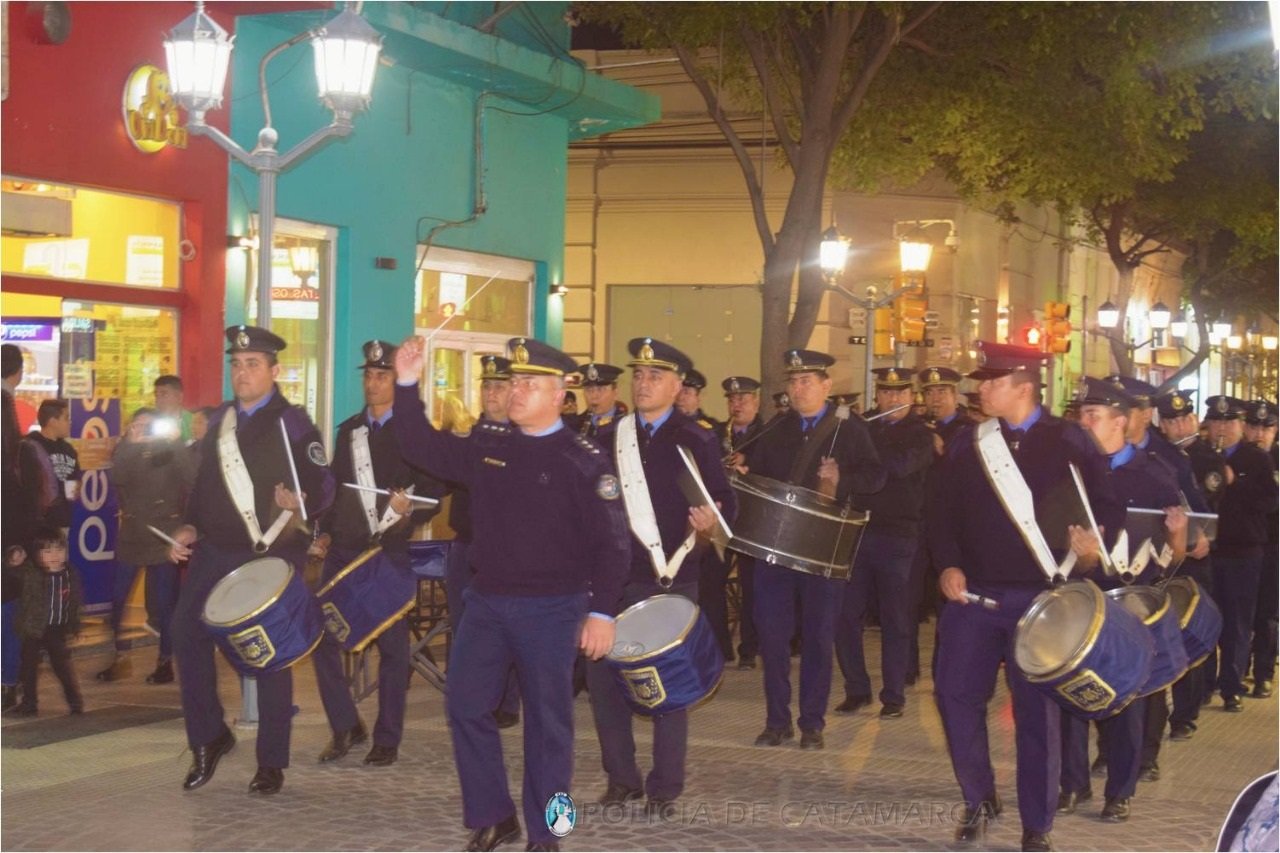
(58,231)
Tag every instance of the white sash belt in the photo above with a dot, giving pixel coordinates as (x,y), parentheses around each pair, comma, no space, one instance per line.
(362,460)
(635,495)
(235,475)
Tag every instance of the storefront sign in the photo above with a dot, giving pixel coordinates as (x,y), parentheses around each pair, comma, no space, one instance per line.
(23,332)
(150,112)
(93,517)
(77,382)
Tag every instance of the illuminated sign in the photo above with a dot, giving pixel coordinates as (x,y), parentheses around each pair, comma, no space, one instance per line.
(150,112)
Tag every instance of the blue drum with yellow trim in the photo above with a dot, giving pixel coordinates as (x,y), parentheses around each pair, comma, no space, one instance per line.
(1157,613)
(665,655)
(1084,649)
(1198,617)
(366,598)
(263,617)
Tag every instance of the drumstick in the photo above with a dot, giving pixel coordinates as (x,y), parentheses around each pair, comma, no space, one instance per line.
(989,603)
(880,415)
(414,498)
(166,537)
(293,469)
(842,415)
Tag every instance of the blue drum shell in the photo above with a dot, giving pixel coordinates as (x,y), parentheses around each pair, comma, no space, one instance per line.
(678,676)
(364,599)
(275,637)
(1198,617)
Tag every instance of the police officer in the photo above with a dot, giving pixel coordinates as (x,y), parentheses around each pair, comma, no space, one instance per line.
(551,556)
(367,454)
(495,393)
(646,452)
(1238,553)
(600,390)
(980,550)
(882,568)
(242,487)
(690,400)
(806,448)
(1139,480)
(1260,429)
(1181,428)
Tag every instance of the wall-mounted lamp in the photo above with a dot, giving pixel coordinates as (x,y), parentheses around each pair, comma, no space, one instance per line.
(304,261)
(559,290)
(238,241)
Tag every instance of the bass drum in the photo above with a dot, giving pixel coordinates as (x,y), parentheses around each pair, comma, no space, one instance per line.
(665,656)
(795,527)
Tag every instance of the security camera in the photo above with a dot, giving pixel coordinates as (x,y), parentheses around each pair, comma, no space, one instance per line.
(952,242)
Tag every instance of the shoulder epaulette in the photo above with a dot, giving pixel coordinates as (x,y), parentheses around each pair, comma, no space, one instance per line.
(587,444)
(705,424)
(493,427)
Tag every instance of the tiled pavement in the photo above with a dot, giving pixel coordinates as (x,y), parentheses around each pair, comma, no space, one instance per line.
(878,785)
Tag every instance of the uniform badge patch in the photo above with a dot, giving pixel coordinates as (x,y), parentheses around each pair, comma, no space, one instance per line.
(608,488)
(315,452)
(242,340)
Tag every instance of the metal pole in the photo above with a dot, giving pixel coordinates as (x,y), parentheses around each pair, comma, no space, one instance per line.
(871,349)
(248,703)
(266,241)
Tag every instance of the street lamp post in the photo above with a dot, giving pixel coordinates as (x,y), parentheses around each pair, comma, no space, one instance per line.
(198,53)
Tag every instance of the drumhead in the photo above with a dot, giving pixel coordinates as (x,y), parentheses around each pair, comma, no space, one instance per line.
(1058,628)
(650,626)
(1145,602)
(247,590)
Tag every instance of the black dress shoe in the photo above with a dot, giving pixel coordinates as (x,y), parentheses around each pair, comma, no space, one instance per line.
(1149,772)
(1068,800)
(204,759)
(747,662)
(852,703)
(381,756)
(489,837)
(1262,690)
(542,845)
(1181,731)
(505,719)
(1116,809)
(811,739)
(775,737)
(1234,704)
(890,711)
(163,673)
(617,794)
(340,744)
(1032,840)
(973,825)
(22,709)
(268,780)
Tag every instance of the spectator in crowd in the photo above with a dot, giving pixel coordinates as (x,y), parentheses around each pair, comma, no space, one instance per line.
(14,524)
(153,473)
(49,467)
(48,616)
(168,391)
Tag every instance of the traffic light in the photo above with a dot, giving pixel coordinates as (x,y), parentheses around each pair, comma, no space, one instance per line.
(1032,336)
(883,344)
(911,318)
(1057,327)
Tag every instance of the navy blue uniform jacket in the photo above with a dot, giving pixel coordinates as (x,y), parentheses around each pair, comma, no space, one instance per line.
(861,472)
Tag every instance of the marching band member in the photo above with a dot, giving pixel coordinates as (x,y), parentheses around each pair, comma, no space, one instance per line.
(1260,429)
(806,449)
(979,547)
(664,526)
(690,400)
(240,509)
(367,454)
(600,390)
(550,554)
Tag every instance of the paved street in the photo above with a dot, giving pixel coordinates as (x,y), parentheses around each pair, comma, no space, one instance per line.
(878,785)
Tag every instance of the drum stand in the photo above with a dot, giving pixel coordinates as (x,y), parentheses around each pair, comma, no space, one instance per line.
(248,718)
(359,674)
(428,621)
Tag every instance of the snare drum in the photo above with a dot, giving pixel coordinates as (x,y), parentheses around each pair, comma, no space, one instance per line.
(1153,607)
(1198,617)
(262,617)
(795,527)
(1085,650)
(366,598)
(665,656)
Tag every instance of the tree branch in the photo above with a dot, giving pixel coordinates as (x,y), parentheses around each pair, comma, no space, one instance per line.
(920,19)
(854,98)
(759,58)
(754,191)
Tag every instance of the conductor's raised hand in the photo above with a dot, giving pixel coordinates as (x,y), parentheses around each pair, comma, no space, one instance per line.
(597,637)
(409,359)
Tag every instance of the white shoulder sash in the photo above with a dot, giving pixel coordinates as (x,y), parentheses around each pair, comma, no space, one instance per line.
(235,475)
(362,461)
(635,495)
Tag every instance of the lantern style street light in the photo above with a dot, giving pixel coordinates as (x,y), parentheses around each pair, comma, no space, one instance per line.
(1160,316)
(1108,315)
(198,53)
(833,253)
(914,257)
(1178,325)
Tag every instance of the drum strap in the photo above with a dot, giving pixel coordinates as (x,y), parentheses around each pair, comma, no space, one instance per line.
(235,476)
(1015,496)
(814,442)
(635,494)
(362,461)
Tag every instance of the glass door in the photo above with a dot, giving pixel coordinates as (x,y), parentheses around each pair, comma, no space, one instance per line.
(451,382)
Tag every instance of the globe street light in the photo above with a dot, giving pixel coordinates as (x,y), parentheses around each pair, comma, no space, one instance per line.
(1160,316)
(198,53)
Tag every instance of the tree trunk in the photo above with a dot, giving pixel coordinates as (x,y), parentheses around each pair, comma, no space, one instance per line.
(1118,337)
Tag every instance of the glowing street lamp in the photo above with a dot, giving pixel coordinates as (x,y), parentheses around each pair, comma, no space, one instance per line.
(1108,315)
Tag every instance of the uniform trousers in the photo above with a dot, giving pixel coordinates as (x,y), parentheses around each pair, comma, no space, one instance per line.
(193,648)
(393,666)
(614,717)
(1155,717)
(160,589)
(1122,734)
(777,618)
(972,643)
(1189,692)
(748,637)
(882,572)
(1235,583)
(539,635)
(1265,618)
(458,575)
(713,575)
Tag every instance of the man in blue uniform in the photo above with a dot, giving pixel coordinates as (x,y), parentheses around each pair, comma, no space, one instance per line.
(1142,481)
(647,454)
(243,487)
(813,448)
(1248,500)
(551,556)
(979,548)
(1260,429)
(882,568)
(690,400)
(600,390)
(367,454)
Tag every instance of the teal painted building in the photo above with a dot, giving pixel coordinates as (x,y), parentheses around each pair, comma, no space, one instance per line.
(464,148)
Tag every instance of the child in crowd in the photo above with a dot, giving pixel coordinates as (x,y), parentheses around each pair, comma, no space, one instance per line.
(48,617)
